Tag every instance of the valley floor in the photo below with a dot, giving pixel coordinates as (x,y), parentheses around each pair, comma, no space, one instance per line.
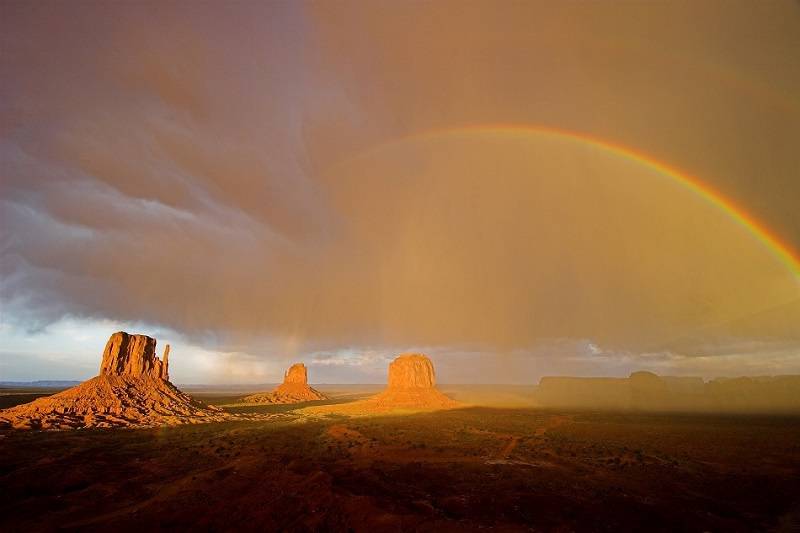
(509,469)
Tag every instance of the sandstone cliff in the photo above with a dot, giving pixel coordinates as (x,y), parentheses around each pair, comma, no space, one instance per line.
(134,355)
(411,371)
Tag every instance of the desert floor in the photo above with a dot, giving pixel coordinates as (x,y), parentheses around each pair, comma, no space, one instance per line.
(509,467)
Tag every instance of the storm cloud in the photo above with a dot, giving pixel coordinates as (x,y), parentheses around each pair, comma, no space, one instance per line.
(256,174)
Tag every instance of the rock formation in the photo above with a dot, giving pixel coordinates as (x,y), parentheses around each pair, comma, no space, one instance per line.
(650,392)
(297,373)
(134,355)
(294,389)
(412,384)
(411,371)
(133,389)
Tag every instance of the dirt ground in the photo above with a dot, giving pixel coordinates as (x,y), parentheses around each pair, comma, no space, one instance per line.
(509,469)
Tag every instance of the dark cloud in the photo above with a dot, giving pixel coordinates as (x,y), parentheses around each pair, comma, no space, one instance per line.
(229,171)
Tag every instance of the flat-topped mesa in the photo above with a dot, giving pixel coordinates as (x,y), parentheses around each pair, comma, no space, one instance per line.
(411,371)
(412,384)
(134,355)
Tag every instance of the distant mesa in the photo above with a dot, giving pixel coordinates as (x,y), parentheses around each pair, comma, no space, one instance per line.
(411,385)
(132,390)
(648,391)
(642,390)
(294,389)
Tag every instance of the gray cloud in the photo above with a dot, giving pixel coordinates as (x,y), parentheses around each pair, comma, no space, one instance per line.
(227,174)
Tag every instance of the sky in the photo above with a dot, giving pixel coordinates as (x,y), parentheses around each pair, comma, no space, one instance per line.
(517,189)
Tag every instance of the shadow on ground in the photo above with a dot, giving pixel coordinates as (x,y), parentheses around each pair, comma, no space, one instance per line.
(463,469)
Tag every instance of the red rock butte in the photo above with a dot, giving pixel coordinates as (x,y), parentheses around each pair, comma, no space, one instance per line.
(411,371)
(412,385)
(132,389)
(294,389)
(134,355)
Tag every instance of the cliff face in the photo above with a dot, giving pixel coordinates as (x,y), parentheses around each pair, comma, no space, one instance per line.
(297,373)
(134,355)
(411,371)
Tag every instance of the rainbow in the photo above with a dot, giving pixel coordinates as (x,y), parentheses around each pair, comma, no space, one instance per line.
(782,251)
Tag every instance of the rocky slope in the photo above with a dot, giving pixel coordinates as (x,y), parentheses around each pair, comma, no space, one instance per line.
(412,384)
(132,389)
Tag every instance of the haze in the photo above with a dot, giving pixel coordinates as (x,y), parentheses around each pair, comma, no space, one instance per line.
(337,183)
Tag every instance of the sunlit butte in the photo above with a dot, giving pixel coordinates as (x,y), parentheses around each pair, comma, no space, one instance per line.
(411,266)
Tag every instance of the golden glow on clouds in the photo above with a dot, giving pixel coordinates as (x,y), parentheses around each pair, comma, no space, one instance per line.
(781,250)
